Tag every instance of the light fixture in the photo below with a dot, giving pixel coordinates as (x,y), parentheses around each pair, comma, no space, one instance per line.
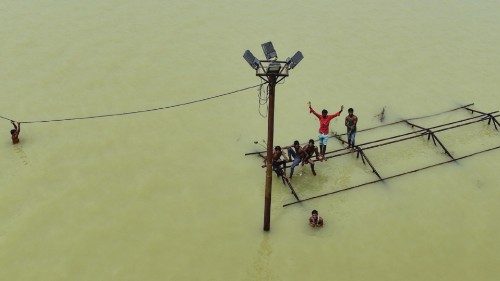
(251,59)
(269,51)
(292,62)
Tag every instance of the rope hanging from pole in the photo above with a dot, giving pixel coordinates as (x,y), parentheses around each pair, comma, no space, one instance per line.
(263,100)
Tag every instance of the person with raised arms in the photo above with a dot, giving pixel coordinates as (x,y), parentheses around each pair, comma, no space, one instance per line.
(14,133)
(324,124)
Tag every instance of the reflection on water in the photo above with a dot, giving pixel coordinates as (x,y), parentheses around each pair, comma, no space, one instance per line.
(261,266)
(18,150)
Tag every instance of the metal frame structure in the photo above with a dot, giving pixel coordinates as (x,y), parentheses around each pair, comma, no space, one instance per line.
(420,132)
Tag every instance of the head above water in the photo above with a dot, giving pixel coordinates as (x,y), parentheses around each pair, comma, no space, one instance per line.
(277,148)
(314,213)
(324,112)
(13,131)
(350,110)
(311,142)
(295,143)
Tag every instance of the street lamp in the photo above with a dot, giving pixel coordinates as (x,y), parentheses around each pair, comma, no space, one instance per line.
(251,59)
(272,71)
(292,62)
(269,50)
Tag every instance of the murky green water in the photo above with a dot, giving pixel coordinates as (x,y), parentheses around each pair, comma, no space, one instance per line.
(169,195)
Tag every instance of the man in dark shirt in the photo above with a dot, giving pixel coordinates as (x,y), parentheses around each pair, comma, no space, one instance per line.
(351,121)
(298,154)
(310,149)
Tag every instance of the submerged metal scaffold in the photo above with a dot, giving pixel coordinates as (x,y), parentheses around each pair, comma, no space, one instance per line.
(420,131)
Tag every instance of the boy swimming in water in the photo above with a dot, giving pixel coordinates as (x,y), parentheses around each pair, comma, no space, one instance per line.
(315,220)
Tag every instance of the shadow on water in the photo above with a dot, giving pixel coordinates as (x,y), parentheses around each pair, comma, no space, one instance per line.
(261,266)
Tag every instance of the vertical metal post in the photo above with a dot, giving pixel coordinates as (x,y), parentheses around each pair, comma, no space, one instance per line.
(269,70)
(269,168)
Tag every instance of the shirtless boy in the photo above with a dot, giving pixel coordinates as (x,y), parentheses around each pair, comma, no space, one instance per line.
(14,133)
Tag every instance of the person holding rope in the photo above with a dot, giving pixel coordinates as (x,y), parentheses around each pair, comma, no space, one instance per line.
(14,133)
(324,123)
(350,122)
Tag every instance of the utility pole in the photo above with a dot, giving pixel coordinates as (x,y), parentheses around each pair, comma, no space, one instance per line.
(271,71)
(269,158)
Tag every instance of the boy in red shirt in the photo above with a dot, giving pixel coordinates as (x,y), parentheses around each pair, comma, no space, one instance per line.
(324,123)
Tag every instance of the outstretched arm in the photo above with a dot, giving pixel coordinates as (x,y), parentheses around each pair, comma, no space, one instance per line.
(336,113)
(18,127)
(311,110)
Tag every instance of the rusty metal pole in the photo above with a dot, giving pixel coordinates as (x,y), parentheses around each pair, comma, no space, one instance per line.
(269,168)
(269,70)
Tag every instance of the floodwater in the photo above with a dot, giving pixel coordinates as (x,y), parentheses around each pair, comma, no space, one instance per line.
(169,195)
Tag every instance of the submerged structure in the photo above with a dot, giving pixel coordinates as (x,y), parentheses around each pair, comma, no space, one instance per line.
(418,131)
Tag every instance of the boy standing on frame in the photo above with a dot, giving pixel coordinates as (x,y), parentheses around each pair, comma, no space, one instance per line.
(350,122)
(324,124)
